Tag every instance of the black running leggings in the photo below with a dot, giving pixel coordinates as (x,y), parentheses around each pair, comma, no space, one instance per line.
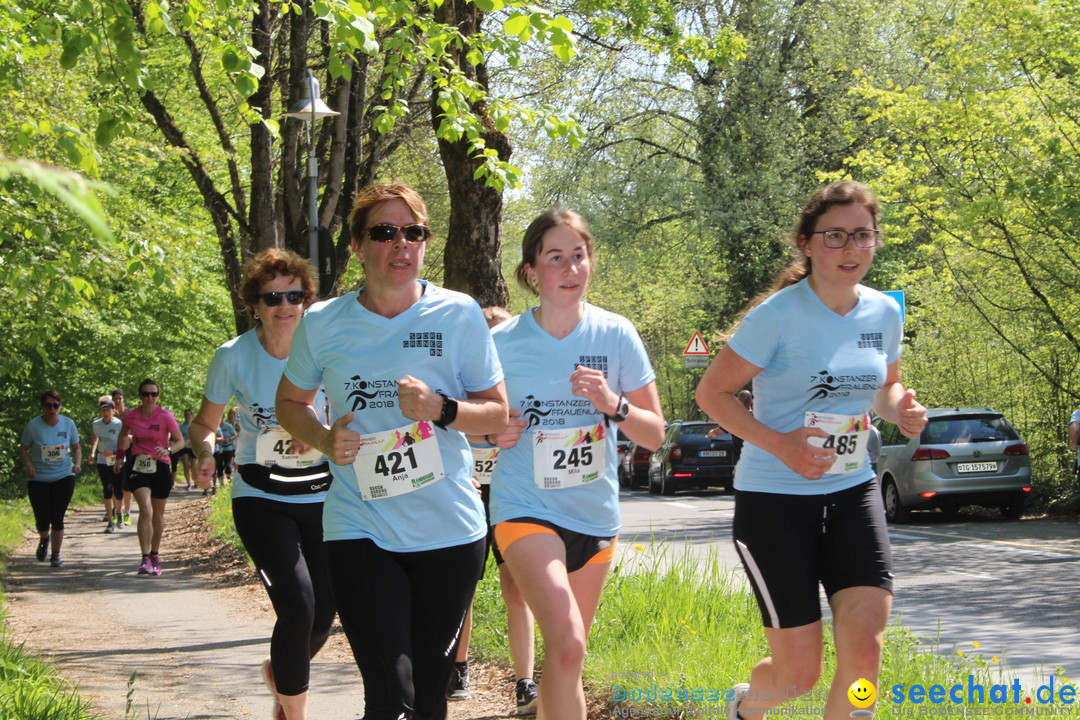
(49,501)
(285,543)
(402,613)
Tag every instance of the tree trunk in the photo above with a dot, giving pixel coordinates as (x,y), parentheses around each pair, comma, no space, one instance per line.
(473,260)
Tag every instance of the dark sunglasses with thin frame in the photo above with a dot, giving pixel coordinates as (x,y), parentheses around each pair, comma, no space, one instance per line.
(146,393)
(273,298)
(385,232)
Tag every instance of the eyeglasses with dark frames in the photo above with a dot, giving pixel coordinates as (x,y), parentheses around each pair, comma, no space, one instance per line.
(385,232)
(147,393)
(837,239)
(51,405)
(273,298)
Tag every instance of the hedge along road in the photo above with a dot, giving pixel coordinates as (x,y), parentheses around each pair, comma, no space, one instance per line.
(195,642)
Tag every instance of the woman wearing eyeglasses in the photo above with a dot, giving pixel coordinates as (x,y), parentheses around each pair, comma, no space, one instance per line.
(575,374)
(822,350)
(408,368)
(277,496)
(51,457)
(152,434)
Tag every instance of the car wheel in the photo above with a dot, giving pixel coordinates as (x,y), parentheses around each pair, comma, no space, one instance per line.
(1014,510)
(635,483)
(895,512)
(667,487)
(625,480)
(654,487)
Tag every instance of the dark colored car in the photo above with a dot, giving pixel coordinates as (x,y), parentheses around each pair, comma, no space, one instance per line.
(694,455)
(964,456)
(634,467)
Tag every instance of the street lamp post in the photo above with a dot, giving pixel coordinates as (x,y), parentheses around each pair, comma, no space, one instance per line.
(310,108)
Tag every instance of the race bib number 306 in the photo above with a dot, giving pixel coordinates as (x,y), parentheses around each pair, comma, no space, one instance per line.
(568,458)
(398,461)
(53,453)
(848,435)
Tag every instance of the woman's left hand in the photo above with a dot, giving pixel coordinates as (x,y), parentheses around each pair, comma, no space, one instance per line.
(76,469)
(590,383)
(417,401)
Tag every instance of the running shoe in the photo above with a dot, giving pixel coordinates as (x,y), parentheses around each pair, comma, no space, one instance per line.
(155,565)
(739,692)
(127,518)
(459,682)
(111,528)
(43,549)
(146,566)
(55,561)
(526,692)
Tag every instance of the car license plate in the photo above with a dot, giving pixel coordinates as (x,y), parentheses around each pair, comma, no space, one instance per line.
(713,453)
(976,467)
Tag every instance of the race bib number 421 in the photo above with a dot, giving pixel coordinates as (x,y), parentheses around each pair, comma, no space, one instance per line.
(848,435)
(398,461)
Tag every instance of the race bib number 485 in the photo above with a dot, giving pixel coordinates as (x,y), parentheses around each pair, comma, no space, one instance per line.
(848,435)
(568,458)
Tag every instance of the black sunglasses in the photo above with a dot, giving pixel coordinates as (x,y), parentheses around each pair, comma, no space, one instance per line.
(273,298)
(385,232)
(51,406)
(144,393)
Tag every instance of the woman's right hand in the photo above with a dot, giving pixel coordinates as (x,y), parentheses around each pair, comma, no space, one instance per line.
(508,437)
(205,468)
(341,443)
(810,461)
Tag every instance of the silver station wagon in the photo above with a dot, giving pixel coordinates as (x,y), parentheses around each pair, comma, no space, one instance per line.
(964,456)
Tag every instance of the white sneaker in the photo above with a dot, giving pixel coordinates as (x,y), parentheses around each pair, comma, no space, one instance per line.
(740,692)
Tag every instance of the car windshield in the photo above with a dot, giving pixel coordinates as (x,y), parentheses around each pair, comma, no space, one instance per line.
(697,431)
(968,429)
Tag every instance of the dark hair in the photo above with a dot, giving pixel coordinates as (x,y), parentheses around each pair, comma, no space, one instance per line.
(846,192)
(51,395)
(534,238)
(116,392)
(148,381)
(374,195)
(273,263)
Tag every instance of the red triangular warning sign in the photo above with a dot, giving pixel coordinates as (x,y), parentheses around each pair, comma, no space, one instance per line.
(696,346)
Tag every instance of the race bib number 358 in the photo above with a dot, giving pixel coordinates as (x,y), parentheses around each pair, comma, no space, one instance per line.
(568,458)
(398,461)
(848,435)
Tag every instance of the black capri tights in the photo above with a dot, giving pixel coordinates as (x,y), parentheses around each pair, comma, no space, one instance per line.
(285,543)
(49,501)
(402,613)
(112,482)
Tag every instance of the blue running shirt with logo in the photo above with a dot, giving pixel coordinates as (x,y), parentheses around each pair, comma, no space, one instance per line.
(359,357)
(45,441)
(242,368)
(812,360)
(538,368)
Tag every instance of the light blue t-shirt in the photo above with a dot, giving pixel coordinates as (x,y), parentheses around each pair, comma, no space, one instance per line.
(108,434)
(812,359)
(1076,418)
(43,440)
(184,431)
(359,357)
(242,368)
(538,367)
(228,432)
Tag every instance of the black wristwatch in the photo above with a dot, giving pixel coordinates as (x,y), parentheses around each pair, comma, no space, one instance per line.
(449,412)
(622,412)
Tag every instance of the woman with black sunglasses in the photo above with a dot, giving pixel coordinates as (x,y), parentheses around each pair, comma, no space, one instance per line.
(49,444)
(153,435)
(408,368)
(277,496)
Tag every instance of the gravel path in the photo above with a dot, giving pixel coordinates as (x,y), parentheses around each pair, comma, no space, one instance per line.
(193,637)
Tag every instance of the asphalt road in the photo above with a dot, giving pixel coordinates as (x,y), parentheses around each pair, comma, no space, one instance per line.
(1012,587)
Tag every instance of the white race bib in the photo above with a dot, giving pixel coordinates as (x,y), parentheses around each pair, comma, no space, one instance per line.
(53,453)
(848,434)
(398,461)
(484,463)
(568,457)
(274,446)
(106,457)
(145,465)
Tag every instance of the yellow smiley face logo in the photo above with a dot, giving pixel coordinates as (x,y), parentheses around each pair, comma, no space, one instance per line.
(862,693)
